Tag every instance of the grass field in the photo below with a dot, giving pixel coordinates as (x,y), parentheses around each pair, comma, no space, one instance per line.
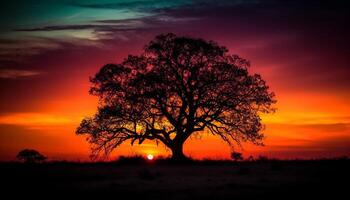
(193,180)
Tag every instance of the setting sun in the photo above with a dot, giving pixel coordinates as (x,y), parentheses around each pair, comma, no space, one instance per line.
(150,157)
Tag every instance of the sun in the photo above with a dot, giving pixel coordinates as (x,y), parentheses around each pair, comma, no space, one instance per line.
(150,157)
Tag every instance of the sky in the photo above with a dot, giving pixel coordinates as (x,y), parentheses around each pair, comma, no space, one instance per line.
(50,48)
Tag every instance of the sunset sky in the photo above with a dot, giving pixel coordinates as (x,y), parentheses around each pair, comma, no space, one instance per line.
(50,48)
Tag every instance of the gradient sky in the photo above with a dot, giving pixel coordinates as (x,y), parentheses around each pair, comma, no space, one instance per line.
(50,48)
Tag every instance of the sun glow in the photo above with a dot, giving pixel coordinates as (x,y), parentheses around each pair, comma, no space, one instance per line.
(150,157)
(34,119)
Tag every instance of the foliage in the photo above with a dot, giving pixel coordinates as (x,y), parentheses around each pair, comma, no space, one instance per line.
(236,156)
(30,156)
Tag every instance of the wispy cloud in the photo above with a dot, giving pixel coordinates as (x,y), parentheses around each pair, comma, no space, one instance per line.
(135,5)
(115,25)
(17,49)
(105,29)
(72,27)
(34,119)
(16,73)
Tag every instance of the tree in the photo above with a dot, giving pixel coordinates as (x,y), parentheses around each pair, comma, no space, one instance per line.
(177,87)
(30,156)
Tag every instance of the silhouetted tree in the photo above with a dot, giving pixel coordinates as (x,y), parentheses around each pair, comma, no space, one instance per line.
(177,87)
(30,156)
(236,156)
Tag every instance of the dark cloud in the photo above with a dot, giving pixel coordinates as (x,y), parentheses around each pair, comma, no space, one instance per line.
(133,5)
(94,27)
(69,27)
(339,144)
(120,5)
(306,42)
(312,51)
(114,25)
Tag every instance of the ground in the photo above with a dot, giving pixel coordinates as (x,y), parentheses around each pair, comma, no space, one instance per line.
(197,180)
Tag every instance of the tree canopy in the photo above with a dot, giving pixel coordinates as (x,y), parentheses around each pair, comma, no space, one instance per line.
(177,87)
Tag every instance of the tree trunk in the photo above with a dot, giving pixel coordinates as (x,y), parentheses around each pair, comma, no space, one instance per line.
(177,152)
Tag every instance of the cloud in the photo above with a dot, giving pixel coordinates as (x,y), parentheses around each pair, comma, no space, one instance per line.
(74,27)
(58,28)
(34,119)
(333,144)
(330,146)
(301,39)
(134,5)
(104,30)
(115,25)
(316,127)
(16,73)
(18,49)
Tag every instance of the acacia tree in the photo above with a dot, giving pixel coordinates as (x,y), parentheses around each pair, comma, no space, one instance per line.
(177,87)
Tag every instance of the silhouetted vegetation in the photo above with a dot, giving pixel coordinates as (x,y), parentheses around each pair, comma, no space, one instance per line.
(205,179)
(262,158)
(178,86)
(131,160)
(30,156)
(236,156)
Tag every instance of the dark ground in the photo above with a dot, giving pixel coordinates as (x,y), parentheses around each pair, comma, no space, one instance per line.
(196,180)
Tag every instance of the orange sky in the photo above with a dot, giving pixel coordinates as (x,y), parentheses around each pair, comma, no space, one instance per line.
(49,51)
(306,125)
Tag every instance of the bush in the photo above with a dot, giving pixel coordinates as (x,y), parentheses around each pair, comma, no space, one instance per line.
(236,156)
(30,156)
